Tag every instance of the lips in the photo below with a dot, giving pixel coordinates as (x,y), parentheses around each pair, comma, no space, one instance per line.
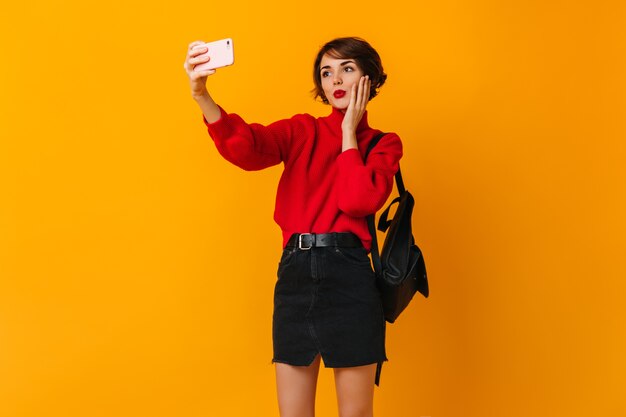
(339,93)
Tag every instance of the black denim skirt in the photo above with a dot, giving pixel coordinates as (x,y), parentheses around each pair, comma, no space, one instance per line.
(326,301)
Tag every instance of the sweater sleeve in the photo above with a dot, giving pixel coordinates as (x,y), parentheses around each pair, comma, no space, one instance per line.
(250,146)
(364,187)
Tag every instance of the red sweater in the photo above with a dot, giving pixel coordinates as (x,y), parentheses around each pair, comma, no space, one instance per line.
(322,189)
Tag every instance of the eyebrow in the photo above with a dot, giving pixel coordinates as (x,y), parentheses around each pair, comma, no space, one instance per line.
(342,64)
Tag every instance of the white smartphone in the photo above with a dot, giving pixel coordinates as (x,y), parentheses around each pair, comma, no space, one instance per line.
(221,54)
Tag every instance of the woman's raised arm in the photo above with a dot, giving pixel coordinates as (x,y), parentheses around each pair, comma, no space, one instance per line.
(197,81)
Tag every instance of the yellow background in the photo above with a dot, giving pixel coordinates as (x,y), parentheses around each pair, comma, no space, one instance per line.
(137,266)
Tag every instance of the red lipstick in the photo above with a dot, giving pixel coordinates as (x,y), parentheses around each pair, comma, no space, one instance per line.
(339,93)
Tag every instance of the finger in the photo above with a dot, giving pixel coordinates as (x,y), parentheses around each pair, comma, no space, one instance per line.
(199,59)
(359,101)
(198,50)
(366,91)
(353,93)
(194,44)
(358,90)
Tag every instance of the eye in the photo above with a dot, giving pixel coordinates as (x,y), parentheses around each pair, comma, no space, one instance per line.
(325,74)
(349,69)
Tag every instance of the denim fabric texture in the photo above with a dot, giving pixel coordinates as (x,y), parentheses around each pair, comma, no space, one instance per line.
(326,301)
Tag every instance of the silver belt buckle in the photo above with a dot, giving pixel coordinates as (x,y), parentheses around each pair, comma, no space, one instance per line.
(300,241)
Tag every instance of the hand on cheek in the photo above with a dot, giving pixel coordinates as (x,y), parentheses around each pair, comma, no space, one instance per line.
(359,96)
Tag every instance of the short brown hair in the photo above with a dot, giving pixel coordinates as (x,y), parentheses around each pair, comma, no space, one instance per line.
(366,57)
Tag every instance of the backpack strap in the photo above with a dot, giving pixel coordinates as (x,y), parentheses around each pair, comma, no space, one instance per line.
(383,223)
(383,220)
(399,182)
(373,143)
(371,221)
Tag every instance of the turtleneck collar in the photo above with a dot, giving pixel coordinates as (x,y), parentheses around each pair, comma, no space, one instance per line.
(336,118)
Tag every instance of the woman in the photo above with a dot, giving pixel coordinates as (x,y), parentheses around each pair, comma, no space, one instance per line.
(326,304)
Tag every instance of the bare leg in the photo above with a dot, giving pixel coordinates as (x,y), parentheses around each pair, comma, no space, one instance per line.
(296,388)
(355,390)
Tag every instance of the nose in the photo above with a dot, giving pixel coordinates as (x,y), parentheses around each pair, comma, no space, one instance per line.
(337,80)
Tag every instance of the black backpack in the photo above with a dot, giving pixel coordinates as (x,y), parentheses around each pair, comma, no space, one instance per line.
(400,269)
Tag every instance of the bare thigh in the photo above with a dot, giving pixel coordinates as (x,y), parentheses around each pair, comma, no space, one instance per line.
(355,390)
(296,388)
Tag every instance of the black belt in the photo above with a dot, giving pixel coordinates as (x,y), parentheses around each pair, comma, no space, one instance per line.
(306,241)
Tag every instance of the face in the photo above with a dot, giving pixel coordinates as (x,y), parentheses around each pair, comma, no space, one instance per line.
(338,75)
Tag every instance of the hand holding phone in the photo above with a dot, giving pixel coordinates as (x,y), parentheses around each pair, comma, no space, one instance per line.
(220,54)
